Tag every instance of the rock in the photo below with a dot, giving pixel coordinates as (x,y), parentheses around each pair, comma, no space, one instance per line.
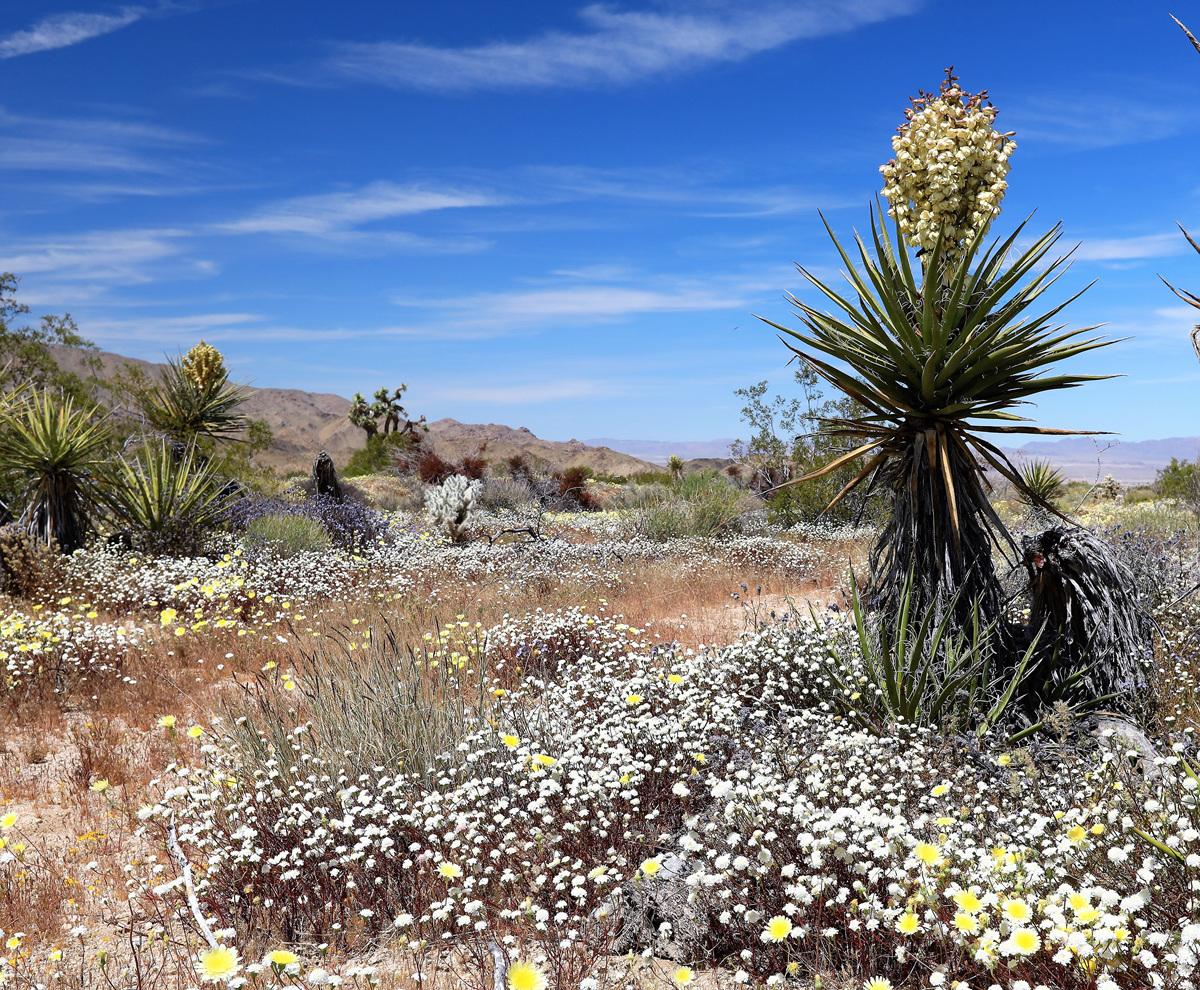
(1116,734)
(656,912)
(325,482)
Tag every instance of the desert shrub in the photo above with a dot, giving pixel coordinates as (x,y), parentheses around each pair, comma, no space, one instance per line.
(472,467)
(573,489)
(167,502)
(433,469)
(383,451)
(288,535)
(506,495)
(700,505)
(29,567)
(451,506)
(351,524)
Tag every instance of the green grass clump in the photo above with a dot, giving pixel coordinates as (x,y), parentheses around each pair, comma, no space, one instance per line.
(288,535)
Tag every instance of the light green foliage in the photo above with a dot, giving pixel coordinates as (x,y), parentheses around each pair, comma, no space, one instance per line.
(25,355)
(918,670)
(50,447)
(1179,479)
(165,499)
(1043,481)
(289,535)
(699,505)
(381,452)
(787,442)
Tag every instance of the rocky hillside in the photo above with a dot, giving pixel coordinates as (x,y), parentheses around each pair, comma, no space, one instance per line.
(305,423)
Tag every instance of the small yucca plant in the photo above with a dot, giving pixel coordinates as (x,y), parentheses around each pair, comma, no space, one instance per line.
(51,448)
(1043,481)
(194,399)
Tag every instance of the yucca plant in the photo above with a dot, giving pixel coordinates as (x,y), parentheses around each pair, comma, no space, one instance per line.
(937,349)
(1043,479)
(50,448)
(194,399)
(165,499)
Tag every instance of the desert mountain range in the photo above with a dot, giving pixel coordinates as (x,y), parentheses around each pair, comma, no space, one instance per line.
(304,423)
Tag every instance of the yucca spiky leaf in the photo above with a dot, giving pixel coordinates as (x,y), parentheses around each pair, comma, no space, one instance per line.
(186,409)
(51,447)
(939,354)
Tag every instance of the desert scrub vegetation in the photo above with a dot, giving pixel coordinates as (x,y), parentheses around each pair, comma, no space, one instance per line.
(501,734)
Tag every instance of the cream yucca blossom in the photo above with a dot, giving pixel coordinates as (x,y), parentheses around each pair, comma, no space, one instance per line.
(948,176)
(525,976)
(778,928)
(218,964)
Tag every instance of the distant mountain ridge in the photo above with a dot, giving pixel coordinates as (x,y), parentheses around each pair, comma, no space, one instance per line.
(659,451)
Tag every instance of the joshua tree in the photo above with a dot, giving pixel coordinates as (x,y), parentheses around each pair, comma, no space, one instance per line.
(939,349)
(675,466)
(366,415)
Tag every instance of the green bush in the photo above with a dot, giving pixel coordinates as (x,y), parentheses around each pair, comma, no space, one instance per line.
(289,535)
(382,451)
(699,505)
(1179,479)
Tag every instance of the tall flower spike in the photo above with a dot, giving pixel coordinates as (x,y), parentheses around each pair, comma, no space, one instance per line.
(948,176)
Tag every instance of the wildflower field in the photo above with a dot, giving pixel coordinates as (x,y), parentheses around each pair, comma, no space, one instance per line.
(384,764)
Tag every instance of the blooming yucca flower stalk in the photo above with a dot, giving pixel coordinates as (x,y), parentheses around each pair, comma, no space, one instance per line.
(937,361)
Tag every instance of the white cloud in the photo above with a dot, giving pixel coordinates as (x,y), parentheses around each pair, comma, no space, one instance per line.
(333,213)
(63,30)
(579,304)
(528,393)
(1132,248)
(117,256)
(617,46)
(174,329)
(1108,121)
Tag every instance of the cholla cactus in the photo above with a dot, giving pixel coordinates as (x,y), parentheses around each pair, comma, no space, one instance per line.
(205,367)
(451,506)
(948,173)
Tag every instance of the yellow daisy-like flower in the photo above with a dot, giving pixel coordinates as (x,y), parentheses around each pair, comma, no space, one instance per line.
(1079,902)
(13,943)
(1077,833)
(1016,910)
(1098,828)
(195,732)
(965,922)
(682,976)
(1087,915)
(1026,941)
(941,790)
(928,853)
(167,721)
(525,976)
(9,820)
(542,760)
(908,923)
(511,741)
(650,867)
(100,786)
(281,958)
(778,928)
(634,699)
(878,983)
(968,902)
(676,679)
(451,871)
(216,965)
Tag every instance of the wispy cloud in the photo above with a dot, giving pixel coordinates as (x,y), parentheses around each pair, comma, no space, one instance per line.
(1132,248)
(174,329)
(333,213)
(1110,120)
(615,46)
(112,256)
(503,311)
(88,145)
(63,30)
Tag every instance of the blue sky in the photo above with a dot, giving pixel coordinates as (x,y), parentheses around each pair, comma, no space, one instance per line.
(562,215)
